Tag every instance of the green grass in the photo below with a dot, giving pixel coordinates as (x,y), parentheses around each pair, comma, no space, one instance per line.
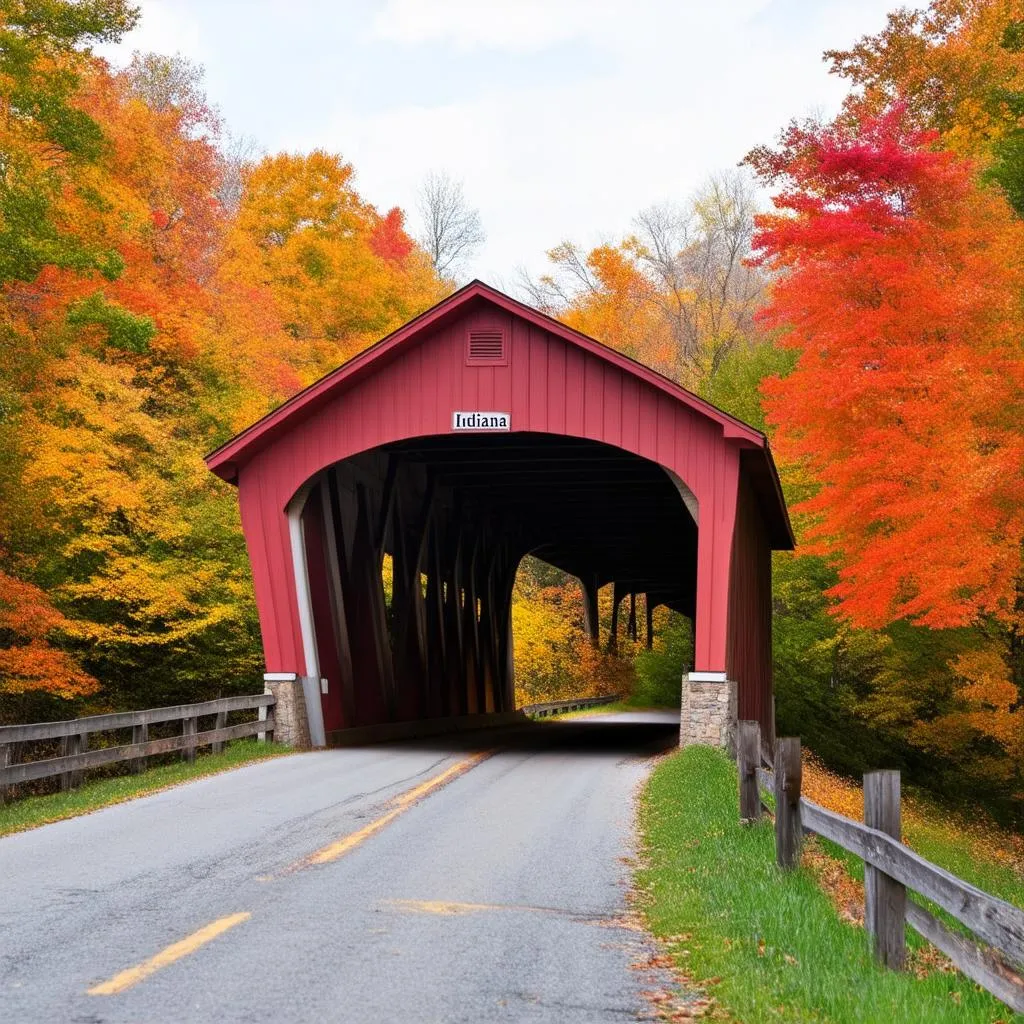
(961,848)
(40,810)
(769,945)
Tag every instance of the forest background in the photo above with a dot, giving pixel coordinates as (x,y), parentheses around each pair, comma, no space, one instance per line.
(163,285)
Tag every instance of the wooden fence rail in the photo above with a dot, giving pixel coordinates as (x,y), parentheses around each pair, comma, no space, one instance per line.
(76,757)
(890,870)
(556,707)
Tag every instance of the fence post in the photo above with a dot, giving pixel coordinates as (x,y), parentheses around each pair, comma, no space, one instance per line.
(188,730)
(748,759)
(77,743)
(140,734)
(83,745)
(885,899)
(220,723)
(788,827)
(6,757)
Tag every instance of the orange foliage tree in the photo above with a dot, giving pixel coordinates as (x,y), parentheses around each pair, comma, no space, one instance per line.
(143,322)
(340,274)
(948,64)
(900,286)
(28,622)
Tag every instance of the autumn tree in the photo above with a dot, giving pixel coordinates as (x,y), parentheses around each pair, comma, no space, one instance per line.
(894,423)
(554,658)
(114,516)
(958,68)
(900,287)
(341,274)
(50,185)
(900,284)
(678,294)
(606,294)
(28,622)
(1007,168)
(48,144)
(184,293)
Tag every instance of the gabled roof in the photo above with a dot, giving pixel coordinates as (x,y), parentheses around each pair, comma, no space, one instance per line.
(224,460)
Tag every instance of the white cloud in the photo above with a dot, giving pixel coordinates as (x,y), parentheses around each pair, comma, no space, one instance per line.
(165,27)
(564,118)
(530,25)
(681,95)
(519,25)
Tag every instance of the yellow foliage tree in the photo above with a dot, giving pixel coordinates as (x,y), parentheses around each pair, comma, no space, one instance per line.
(337,270)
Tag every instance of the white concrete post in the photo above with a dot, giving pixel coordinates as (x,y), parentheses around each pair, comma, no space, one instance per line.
(300,566)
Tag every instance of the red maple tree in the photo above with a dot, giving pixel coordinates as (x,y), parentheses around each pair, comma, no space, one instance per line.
(899,281)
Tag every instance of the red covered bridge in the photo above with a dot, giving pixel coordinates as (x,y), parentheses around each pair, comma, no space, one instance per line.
(478,433)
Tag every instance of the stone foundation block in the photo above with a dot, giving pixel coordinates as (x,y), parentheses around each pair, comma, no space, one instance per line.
(708,712)
(291,724)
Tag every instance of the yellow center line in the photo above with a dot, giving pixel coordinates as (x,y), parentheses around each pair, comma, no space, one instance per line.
(133,975)
(401,803)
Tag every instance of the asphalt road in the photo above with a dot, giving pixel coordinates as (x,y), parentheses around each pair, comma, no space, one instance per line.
(412,882)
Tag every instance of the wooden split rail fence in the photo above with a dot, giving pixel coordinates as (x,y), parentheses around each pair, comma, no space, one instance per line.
(558,707)
(76,757)
(890,869)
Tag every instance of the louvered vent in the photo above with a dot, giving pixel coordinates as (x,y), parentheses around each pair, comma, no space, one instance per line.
(486,346)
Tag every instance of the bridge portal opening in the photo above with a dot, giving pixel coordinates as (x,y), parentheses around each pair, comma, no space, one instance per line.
(452,517)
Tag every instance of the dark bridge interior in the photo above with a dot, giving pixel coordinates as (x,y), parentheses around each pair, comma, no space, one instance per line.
(597,512)
(457,513)
(638,734)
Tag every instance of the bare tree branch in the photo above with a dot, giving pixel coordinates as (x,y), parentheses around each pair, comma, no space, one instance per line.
(697,257)
(237,155)
(451,231)
(702,295)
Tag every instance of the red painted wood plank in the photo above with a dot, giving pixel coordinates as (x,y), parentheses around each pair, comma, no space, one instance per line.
(593,398)
(539,347)
(611,400)
(572,388)
(557,404)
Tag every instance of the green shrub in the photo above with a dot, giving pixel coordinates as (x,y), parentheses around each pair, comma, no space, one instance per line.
(659,672)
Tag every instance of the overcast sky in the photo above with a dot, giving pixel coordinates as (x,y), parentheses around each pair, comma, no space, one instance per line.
(563,118)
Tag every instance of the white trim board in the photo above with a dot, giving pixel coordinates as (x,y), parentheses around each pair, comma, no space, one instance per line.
(311,680)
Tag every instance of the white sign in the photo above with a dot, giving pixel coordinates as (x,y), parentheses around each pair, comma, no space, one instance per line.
(481,421)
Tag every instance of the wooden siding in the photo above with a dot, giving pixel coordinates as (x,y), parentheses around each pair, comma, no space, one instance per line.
(551,381)
(548,386)
(749,659)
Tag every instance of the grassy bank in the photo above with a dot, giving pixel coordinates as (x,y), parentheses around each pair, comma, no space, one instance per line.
(975,849)
(40,810)
(768,946)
